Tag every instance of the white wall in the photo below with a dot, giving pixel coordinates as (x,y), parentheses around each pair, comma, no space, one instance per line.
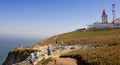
(100,26)
(117,25)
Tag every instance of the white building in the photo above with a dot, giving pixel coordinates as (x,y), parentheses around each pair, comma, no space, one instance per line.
(104,17)
(100,26)
(105,23)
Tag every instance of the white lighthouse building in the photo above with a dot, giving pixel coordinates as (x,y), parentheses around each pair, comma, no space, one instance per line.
(104,17)
(105,23)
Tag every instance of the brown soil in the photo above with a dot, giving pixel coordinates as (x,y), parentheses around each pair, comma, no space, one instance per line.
(62,61)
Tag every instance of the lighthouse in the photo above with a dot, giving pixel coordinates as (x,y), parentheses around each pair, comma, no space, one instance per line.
(104,17)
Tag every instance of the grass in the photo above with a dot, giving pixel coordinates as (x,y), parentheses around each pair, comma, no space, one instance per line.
(96,37)
(100,56)
(109,37)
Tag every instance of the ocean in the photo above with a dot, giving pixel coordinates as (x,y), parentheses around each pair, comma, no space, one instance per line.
(7,44)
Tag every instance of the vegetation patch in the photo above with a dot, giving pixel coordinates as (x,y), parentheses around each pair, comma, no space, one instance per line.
(96,37)
(99,56)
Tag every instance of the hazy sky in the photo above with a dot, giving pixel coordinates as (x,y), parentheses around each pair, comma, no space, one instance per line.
(40,18)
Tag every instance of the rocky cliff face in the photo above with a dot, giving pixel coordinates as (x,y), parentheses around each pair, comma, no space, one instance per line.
(11,59)
(17,56)
(21,57)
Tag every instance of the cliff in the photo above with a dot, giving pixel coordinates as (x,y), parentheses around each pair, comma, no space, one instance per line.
(17,56)
(21,56)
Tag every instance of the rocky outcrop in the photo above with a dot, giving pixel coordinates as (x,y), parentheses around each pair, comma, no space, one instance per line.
(17,56)
(21,56)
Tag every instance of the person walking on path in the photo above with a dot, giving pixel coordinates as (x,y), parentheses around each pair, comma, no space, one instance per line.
(32,57)
(49,51)
(37,54)
(20,46)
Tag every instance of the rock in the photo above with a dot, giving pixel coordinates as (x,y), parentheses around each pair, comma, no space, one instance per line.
(20,58)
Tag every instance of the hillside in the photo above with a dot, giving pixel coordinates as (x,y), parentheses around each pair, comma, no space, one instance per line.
(92,47)
(108,36)
(105,45)
(100,56)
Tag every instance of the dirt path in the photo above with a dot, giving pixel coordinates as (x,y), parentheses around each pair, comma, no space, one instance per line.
(56,52)
(59,50)
(62,61)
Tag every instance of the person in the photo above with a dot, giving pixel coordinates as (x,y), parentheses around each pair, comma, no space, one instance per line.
(37,54)
(20,46)
(49,52)
(62,42)
(56,41)
(32,58)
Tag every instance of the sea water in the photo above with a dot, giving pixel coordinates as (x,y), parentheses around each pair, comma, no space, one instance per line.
(7,44)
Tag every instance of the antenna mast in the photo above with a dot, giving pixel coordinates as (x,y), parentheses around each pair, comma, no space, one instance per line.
(113,12)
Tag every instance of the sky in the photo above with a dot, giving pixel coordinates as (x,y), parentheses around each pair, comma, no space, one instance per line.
(44,18)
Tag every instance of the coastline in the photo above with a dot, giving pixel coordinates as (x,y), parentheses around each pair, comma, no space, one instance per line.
(7,44)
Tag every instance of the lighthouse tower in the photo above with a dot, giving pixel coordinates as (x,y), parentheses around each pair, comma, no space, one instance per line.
(104,17)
